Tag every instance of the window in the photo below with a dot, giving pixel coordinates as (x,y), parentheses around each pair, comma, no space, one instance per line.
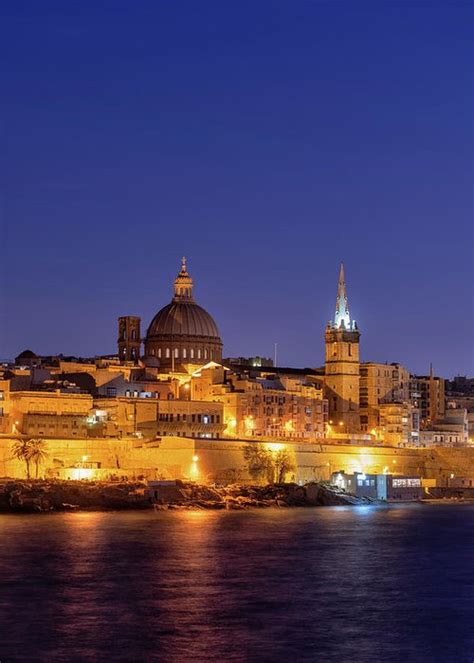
(205,353)
(185,353)
(349,350)
(134,334)
(2,395)
(159,353)
(192,353)
(199,353)
(111,391)
(176,353)
(167,353)
(205,419)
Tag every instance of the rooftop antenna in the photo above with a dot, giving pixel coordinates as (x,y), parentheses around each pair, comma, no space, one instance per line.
(275,354)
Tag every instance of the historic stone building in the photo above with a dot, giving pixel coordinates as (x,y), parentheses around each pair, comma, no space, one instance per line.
(342,365)
(181,334)
(129,340)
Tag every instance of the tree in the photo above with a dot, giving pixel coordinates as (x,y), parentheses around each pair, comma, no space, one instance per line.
(21,451)
(282,465)
(259,460)
(38,453)
(271,465)
(30,451)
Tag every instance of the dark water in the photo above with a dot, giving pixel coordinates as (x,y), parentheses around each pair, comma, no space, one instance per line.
(333,584)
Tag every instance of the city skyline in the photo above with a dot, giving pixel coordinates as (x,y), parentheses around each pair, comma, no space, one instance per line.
(267,147)
(339,316)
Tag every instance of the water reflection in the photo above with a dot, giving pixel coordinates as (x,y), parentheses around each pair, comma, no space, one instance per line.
(337,584)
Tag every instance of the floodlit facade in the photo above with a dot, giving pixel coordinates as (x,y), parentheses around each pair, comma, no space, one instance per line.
(342,374)
(173,382)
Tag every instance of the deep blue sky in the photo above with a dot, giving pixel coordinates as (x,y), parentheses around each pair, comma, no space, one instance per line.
(265,140)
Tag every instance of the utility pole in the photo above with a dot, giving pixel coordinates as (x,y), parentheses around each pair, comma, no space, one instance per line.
(275,355)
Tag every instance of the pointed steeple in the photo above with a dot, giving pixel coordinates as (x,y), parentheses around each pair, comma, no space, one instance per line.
(342,319)
(183,284)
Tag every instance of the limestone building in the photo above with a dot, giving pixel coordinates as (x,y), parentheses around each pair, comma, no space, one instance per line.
(427,393)
(264,403)
(342,364)
(181,335)
(380,384)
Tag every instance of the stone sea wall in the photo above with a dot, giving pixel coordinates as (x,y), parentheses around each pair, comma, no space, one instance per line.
(208,461)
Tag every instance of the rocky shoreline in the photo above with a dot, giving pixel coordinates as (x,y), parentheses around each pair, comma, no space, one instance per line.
(42,496)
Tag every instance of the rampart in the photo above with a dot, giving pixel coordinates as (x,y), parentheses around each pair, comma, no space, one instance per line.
(223,460)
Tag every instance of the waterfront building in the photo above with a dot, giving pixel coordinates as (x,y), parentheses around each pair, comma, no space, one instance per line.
(342,366)
(399,424)
(264,403)
(450,430)
(380,486)
(427,393)
(380,383)
(46,413)
(152,418)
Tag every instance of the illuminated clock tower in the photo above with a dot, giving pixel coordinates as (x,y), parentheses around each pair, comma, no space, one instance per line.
(342,366)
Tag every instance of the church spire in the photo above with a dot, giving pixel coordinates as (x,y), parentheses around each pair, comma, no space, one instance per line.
(342,319)
(183,284)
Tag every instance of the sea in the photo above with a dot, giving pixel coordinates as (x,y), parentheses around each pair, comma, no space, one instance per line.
(333,584)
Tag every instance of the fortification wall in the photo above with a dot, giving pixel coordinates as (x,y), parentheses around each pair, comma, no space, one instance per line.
(210,460)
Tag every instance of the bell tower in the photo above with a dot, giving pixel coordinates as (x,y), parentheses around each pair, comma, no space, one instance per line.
(342,365)
(129,340)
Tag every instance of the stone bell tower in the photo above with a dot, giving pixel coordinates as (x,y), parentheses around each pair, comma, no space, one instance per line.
(342,365)
(129,340)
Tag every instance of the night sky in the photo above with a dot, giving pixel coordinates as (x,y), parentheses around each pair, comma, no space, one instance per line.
(266,141)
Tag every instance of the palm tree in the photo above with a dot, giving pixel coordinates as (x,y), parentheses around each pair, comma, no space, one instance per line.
(30,451)
(21,450)
(38,452)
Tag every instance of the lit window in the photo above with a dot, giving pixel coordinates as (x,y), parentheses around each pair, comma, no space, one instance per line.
(176,353)
(159,353)
(167,353)
(185,353)
(192,353)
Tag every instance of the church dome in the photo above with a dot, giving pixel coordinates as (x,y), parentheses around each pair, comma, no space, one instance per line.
(182,332)
(183,319)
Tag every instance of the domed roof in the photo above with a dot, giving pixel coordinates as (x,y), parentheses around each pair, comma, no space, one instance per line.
(183,319)
(182,316)
(27,354)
